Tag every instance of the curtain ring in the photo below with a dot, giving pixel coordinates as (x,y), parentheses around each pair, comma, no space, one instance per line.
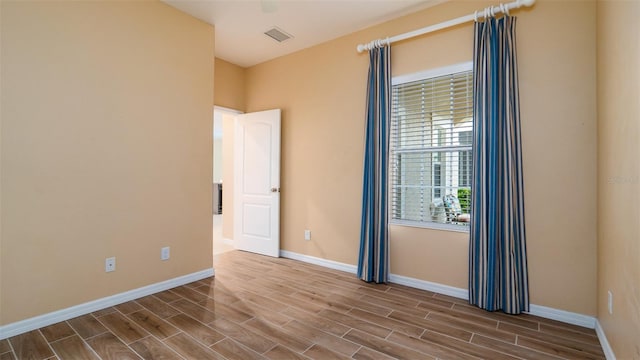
(475,16)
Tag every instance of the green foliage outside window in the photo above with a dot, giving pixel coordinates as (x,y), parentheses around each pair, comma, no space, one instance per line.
(464,196)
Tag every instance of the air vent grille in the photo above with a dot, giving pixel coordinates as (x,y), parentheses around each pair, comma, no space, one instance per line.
(277,34)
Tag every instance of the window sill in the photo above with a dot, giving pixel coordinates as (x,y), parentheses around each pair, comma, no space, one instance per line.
(432,226)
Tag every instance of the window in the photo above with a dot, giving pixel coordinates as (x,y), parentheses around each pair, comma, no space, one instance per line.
(430,148)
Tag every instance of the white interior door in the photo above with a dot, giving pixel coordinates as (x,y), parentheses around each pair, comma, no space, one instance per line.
(256,197)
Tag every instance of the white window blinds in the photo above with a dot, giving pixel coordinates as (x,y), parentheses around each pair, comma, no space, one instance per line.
(430,149)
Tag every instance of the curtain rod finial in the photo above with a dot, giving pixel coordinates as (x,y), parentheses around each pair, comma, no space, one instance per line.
(360,48)
(526,2)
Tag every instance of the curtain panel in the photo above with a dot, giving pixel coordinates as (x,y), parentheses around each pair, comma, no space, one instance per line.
(373,259)
(498,278)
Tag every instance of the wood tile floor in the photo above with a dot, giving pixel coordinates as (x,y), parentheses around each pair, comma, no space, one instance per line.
(263,308)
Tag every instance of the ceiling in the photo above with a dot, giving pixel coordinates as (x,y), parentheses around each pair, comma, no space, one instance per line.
(240,24)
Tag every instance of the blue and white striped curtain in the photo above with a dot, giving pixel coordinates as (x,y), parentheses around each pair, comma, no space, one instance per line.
(373,259)
(498,277)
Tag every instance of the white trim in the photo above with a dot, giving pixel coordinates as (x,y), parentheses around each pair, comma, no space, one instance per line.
(227,241)
(537,310)
(563,316)
(228,110)
(432,73)
(430,225)
(39,321)
(606,347)
(319,261)
(429,286)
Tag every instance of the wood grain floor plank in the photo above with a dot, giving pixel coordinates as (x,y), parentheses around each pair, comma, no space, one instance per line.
(196,329)
(73,348)
(260,300)
(388,323)
(464,346)
(399,302)
(426,324)
(368,354)
(279,335)
(386,347)
(151,348)
(318,352)
(194,310)
(232,350)
(157,306)
(557,349)
(7,356)
(4,346)
(109,347)
(225,311)
(319,337)
(519,320)
(30,345)
(56,331)
(241,334)
(280,352)
(218,293)
(87,326)
(153,324)
(189,294)
(167,296)
(473,327)
(302,305)
(429,348)
(511,349)
(190,349)
(122,327)
(321,301)
(316,321)
(570,334)
(553,339)
(356,323)
(262,312)
(128,307)
(104,311)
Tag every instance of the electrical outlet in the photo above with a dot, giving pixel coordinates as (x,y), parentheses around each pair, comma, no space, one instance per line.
(165,253)
(110,264)
(307,234)
(610,302)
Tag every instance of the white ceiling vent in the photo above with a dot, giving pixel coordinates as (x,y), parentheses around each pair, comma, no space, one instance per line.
(277,34)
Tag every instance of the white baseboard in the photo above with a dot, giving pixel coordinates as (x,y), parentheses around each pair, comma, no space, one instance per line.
(319,261)
(537,310)
(563,316)
(606,347)
(430,286)
(37,322)
(227,241)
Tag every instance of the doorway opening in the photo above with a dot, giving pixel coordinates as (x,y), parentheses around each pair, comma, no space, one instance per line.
(222,186)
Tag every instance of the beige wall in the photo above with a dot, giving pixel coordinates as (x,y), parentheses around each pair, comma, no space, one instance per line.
(619,174)
(321,91)
(106,150)
(229,85)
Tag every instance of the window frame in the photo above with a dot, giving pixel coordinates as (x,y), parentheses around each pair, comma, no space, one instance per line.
(423,75)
